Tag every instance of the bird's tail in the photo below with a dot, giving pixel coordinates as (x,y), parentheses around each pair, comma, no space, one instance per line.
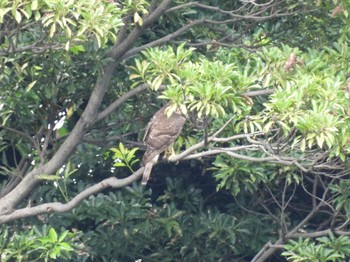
(148,156)
(149,164)
(147,173)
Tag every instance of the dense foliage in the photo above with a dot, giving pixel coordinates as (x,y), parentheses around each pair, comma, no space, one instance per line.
(261,167)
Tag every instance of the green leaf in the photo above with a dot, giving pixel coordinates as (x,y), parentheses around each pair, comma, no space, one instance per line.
(53,235)
(77,49)
(37,15)
(66,247)
(156,83)
(63,236)
(138,19)
(52,30)
(3,12)
(26,13)
(34,5)
(30,86)
(119,164)
(62,132)
(320,140)
(49,177)
(18,16)
(122,148)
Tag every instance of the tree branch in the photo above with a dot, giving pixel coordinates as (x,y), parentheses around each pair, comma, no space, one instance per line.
(118,51)
(111,182)
(87,119)
(120,101)
(23,134)
(12,199)
(163,40)
(269,249)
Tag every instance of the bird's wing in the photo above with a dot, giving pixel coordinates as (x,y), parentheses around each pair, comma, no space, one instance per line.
(163,131)
(154,121)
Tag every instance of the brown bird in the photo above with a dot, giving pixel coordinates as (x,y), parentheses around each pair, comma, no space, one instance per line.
(160,134)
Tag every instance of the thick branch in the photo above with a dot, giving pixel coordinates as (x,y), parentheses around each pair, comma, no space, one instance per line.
(111,182)
(88,118)
(205,22)
(12,199)
(119,51)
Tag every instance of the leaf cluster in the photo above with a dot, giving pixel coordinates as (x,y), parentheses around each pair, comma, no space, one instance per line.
(206,87)
(36,244)
(129,225)
(124,157)
(330,248)
(68,22)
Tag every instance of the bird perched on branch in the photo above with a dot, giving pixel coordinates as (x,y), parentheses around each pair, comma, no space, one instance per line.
(160,134)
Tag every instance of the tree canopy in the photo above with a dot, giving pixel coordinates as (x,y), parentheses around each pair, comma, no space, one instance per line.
(260,170)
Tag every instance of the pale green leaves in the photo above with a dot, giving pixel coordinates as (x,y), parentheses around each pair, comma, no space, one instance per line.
(34,5)
(210,100)
(326,248)
(205,86)
(102,23)
(319,126)
(140,70)
(138,19)
(76,20)
(138,8)
(3,12)
(309,102)
(124,157)
(68,171)
(160,66)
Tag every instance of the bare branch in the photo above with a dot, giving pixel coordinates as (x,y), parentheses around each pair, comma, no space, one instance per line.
(16,177)
(320,233)
(259,92)
(163,40)
(269,249)
(21,133)
(200,144)
(229,151)
(120,101)
(255,15)
(102,142)
(235,137)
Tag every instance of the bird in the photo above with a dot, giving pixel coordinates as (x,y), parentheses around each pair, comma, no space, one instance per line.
(161,132)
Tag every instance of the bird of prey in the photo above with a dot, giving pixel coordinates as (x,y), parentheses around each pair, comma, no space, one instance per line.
(161,132)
